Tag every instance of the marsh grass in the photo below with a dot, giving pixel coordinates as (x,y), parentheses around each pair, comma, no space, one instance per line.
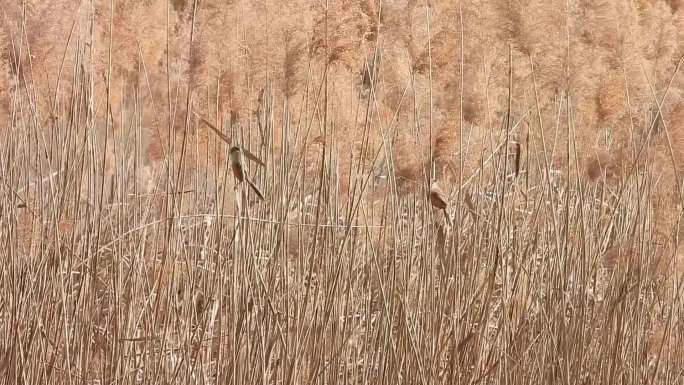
(131,258)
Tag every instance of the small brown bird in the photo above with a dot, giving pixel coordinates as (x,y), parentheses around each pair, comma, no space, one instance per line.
(236,161)
(438,200)
(237,165)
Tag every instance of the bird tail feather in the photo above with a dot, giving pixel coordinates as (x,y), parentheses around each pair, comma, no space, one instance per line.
(255,189)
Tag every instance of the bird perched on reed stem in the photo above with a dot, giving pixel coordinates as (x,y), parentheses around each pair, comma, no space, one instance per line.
(237,165)
(439,200)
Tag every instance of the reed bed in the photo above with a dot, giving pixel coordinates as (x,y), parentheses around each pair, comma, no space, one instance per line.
(131,256)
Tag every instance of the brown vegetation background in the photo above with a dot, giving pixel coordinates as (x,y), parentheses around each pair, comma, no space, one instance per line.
(613,59)
(556,127)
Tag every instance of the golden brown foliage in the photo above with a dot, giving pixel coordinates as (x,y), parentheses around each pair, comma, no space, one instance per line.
(133,256)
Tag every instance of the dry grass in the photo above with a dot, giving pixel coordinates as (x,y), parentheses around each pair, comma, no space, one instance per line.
(555,127)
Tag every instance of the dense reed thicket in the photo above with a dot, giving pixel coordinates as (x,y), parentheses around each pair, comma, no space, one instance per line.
(556,128)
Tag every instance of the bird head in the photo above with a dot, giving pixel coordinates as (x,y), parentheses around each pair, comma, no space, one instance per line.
(235,153)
